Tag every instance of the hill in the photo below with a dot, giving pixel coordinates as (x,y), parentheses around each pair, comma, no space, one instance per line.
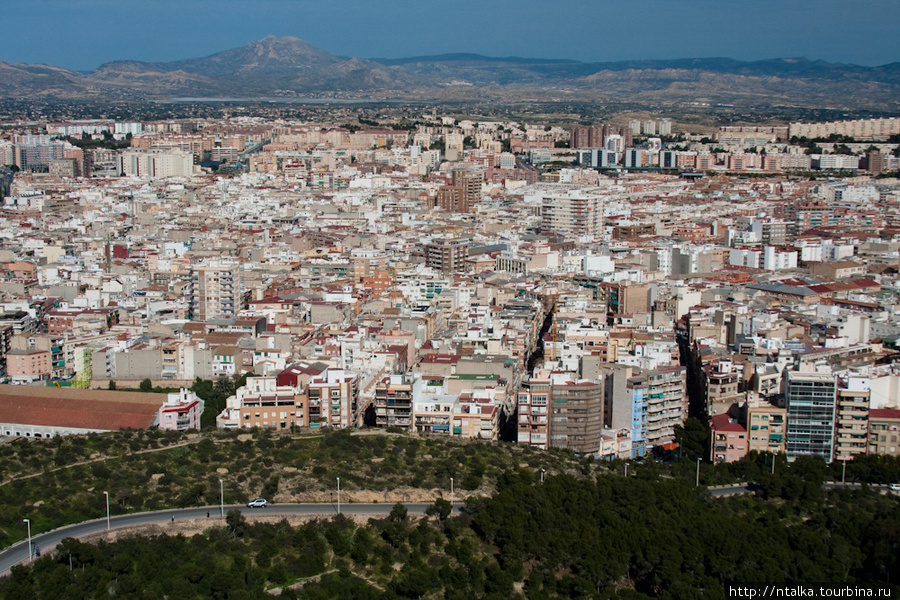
(288,67)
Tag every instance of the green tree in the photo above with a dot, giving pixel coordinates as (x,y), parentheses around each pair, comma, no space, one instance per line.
(441,508)
(146,385)
(237,523)
(112,385)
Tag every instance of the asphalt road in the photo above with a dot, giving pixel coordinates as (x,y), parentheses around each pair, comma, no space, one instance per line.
(18,553)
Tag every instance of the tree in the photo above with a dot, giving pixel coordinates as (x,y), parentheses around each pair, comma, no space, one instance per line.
(441,508)
(146,385)
(237,523)
(112,385)
(399,512)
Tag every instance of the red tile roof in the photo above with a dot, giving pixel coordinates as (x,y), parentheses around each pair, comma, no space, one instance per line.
(83,409)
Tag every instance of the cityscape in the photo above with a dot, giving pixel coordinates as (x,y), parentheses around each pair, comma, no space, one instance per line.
(461,347)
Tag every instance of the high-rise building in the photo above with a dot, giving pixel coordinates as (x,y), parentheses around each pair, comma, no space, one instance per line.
(448,256)
(533,407)
(576,419)
(811,399)
(574,213)
(667,404)
(851,423)
(215,292)
(468,181)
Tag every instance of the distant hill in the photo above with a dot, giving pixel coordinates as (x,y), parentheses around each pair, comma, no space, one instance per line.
(290,67)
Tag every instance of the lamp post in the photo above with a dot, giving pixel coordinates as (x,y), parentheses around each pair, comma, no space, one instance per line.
(542,475)
(626,469)
(106,494)
(221,499)
(451,490)
(773,463)
(339,494)
(697,483)
(844,471)
(28,523)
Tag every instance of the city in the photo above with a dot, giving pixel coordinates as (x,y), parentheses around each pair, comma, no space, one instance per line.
(281,322)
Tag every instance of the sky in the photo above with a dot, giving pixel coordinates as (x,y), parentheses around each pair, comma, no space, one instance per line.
(83,34)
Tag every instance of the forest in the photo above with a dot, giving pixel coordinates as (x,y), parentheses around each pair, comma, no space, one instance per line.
(569,536)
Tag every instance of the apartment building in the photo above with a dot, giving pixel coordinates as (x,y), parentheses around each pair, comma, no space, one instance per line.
(261,402)
(576,416)
(533,407)
(181,411)
(884,431)
(766,425)
(394,401)
(728,439)
(811,401)
(852,416)
(215,292)
(334,399)
(575,213)
(667,404)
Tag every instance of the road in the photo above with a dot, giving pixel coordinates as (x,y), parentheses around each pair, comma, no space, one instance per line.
(18,553)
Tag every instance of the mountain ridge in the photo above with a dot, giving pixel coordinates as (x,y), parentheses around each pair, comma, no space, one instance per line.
(291,67)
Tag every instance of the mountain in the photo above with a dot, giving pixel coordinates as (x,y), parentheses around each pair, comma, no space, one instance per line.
(290,67)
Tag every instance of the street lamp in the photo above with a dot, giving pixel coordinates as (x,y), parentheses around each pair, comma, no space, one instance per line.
(339,495)
(221,499)
(698,473)
(28,523)
(451,490)
(107,509)
(626,469)
(542,475)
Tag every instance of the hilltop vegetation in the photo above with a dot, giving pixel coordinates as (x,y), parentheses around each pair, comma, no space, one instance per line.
(61,480)
(566,538)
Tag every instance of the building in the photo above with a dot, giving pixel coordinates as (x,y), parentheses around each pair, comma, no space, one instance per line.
(27,366)
(765,426)
(851,423)
(884,431)
(576,416)
(262,402)
(575,213)
(394,401)
(468,182)
(215,292)
(811,399)
(721,386)
(156,163)
(728,439)
(667,404)
(533,406)
(44,412)
(447,256)
(334,399)
(181,411)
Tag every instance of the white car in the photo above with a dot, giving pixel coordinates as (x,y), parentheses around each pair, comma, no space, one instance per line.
(258,503)
(894,487)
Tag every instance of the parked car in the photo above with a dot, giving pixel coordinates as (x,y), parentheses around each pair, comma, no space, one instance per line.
(895,487)
(258,503)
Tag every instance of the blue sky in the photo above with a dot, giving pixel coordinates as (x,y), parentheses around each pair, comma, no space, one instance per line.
(83,34)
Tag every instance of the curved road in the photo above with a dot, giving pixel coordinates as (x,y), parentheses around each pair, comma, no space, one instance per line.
(18,553)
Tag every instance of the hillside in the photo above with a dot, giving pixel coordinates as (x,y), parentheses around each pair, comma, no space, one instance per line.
(563,538)
(288,68)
